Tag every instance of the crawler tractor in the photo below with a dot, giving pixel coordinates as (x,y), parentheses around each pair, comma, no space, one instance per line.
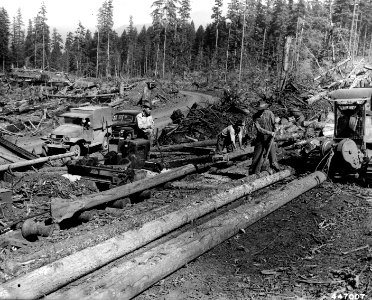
(350,151)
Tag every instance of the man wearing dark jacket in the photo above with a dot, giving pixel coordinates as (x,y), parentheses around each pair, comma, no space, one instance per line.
(264,121)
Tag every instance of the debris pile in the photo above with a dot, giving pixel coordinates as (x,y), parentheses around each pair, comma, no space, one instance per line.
(32,192)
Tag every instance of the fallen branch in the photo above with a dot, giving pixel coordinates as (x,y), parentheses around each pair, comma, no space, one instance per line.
(355,250)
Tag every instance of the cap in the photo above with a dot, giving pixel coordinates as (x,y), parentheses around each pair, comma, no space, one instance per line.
(146,103)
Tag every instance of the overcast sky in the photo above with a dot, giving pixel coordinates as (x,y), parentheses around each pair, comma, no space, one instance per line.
(64,14)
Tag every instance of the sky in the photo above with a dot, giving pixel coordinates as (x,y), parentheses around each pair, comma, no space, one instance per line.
(66,14)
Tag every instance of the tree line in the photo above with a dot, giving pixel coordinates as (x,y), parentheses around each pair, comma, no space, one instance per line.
(280,35)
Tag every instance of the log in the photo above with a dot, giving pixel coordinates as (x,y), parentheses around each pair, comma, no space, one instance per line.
(335,67)
(50,277)
(195,144)
(35,161)
(134,275)
(154,154)
(62,209)
(81,97)
(189,185)
(289,136)
(317,97)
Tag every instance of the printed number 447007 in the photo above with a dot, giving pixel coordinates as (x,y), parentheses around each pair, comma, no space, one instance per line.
(347,296)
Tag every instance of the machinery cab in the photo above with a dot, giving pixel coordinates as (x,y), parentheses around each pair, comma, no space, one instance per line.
(353,116)
(136,151)
(352,140)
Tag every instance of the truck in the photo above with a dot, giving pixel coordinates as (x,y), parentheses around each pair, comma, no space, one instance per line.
(125,125)
(82,130)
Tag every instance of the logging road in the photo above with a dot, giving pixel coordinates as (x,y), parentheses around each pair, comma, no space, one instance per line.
(161,117)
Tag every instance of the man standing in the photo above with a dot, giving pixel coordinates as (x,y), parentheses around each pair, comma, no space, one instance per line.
(144,121)
(264,121)
(226,138)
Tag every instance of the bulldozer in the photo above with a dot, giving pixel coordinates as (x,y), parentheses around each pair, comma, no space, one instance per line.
(349,153)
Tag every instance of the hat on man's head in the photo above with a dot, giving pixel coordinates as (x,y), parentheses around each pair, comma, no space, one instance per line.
(151,84)
(146,103)
(262,105)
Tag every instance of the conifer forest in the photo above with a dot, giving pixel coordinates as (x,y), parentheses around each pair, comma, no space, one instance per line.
(307,34)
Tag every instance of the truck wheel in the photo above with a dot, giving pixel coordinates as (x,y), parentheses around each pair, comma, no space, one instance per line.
(77,150)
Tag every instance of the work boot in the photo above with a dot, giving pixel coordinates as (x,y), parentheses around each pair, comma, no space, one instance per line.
(275,167)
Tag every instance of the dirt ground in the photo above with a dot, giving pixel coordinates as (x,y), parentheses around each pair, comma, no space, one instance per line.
(315,247)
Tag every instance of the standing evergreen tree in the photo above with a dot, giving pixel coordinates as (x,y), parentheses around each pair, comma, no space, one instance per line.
(164,16)
(78,47)
(56,53)
(4,36)
(187,30)
(217,17)
(124,48)
(29,45)
(18,38)
(42,35)
(67,57)
(105,23)
(132,35)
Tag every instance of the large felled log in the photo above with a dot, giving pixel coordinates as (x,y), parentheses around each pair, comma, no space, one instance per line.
(52,276)
(335,67)
(132,276)
(62,209)
(81,97)
(189,185)
(289,136)
(35,161)
(185,145)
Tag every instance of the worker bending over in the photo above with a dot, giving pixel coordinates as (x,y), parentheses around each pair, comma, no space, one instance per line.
(145,122)
(226,138)
(264,121)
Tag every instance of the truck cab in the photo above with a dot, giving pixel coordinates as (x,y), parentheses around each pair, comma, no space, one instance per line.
(82,129)
(125,125)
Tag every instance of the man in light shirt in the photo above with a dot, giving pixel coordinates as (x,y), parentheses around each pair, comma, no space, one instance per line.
(226,138)
(145,122)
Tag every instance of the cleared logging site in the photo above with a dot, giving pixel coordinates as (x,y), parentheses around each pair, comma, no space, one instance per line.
(228,162)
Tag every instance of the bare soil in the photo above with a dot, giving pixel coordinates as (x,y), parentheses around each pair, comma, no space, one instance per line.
(315,247)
